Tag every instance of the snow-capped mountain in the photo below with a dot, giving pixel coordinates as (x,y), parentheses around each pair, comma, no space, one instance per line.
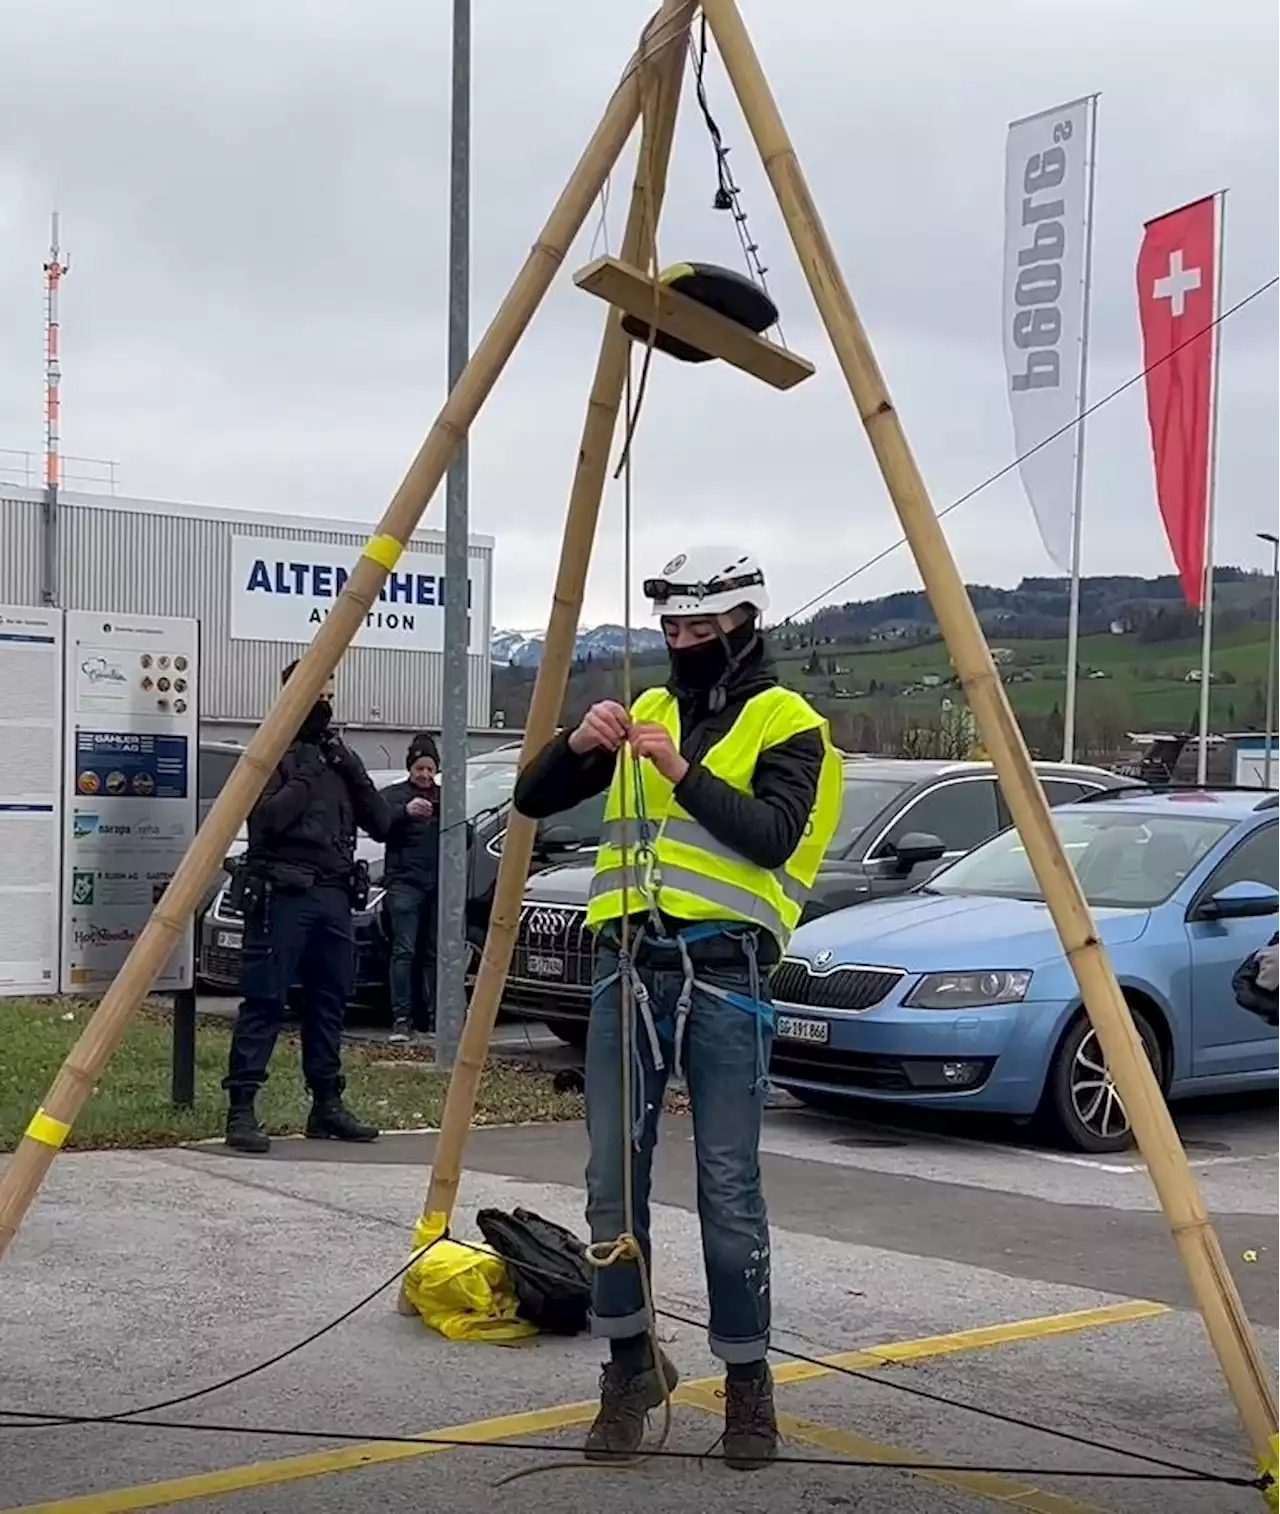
(523,649)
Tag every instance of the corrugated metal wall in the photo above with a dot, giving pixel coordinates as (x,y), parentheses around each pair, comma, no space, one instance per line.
(152,563)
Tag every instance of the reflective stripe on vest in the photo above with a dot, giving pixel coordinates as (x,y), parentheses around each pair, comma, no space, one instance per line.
(738,903)
(622,833)
(695,876)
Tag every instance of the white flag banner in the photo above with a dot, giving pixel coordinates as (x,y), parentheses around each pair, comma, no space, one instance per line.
(1046,171)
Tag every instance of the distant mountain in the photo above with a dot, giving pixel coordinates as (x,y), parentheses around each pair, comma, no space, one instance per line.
(1037,607)
(523,649)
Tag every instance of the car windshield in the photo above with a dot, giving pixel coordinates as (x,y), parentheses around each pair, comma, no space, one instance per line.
(490,784)
(865,797)
(1123,860)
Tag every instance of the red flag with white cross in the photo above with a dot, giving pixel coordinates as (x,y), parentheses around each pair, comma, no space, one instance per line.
(1176,283)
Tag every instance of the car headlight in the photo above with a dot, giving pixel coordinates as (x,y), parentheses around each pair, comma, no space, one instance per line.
(969,990)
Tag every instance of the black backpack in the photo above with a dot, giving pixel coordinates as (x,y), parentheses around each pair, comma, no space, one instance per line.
(548,1266)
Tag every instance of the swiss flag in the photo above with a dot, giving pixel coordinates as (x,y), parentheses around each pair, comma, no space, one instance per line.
(1176,282)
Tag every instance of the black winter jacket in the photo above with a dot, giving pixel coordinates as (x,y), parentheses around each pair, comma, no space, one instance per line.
(764,826)
(413,845)
(306,816)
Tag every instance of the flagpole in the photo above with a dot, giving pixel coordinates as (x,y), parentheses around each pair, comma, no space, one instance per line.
(1082,404)
(1206,644)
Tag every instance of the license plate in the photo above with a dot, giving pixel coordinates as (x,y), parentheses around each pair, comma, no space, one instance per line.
(231,940)
(789,1028)
(546,967)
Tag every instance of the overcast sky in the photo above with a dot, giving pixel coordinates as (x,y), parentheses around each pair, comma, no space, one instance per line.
(254,200)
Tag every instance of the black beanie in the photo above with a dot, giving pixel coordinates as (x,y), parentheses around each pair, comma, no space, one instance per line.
(422,745)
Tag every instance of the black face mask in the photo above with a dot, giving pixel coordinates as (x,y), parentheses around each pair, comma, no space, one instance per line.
(699,668)
(316,721)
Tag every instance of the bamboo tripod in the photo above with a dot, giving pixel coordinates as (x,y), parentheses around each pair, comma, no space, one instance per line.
(650,86)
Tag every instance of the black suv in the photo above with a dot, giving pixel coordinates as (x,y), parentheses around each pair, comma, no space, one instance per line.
(901,821)
(491,778)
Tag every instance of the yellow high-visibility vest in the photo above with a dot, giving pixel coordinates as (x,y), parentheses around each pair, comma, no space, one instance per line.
(690,875)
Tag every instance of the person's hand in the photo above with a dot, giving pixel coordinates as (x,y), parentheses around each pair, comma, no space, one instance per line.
(655,743)
(420,808)
(340,758)
(304,762)
(603,729)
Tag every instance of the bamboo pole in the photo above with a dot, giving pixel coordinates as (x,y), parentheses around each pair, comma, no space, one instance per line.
(1211,1282)
(662,99)
(76,1078)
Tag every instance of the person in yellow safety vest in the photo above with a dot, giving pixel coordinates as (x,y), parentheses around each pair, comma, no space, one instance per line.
(723,795)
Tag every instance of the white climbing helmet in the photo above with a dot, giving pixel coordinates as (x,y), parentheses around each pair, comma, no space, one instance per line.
(708,581)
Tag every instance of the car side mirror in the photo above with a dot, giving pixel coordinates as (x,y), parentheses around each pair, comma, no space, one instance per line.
(558,838)
(1244,900)
(916,847)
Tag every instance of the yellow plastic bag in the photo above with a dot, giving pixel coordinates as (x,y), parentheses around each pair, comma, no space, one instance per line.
(464,1292)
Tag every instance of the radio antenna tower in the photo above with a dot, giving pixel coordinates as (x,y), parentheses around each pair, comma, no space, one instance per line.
(53,272)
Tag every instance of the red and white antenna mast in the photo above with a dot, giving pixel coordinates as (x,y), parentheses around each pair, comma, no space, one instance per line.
(53,272)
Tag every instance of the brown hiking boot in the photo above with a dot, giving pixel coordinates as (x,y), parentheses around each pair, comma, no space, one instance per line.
(625,1401)
(750,1425)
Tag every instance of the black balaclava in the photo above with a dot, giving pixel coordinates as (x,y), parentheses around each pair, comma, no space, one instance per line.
(703,671)
(316,721)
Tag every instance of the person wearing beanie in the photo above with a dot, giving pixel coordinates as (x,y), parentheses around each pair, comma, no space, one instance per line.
(411,877)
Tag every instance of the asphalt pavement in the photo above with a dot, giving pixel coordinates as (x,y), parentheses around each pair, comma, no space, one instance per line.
(954,1273)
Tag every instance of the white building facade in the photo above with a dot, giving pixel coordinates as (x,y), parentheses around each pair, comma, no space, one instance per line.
(259,584)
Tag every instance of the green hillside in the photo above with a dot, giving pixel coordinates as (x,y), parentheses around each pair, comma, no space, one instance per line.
(880,672)
(1140,684)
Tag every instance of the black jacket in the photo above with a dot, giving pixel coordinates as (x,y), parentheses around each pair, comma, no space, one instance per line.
(764,826)
(1249,992)
(413,845)
(306,816)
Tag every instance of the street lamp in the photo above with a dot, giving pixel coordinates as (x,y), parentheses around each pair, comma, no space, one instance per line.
(1273,643)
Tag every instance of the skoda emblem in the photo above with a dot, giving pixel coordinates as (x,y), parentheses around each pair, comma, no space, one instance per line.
(823,958)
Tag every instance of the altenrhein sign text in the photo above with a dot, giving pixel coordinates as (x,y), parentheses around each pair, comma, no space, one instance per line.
(282,589)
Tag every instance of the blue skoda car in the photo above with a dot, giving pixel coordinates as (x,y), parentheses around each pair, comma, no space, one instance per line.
(957,995)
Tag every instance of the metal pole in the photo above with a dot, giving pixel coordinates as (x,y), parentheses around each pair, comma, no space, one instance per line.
(1206,641)
(1082,404)
(1273,655)
(184,1049)
(451,956)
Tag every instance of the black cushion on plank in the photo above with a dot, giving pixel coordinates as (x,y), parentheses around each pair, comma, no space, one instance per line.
(720,289)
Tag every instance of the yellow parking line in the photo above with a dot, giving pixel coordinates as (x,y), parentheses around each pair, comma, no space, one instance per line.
(158,1495)
(1008,1492)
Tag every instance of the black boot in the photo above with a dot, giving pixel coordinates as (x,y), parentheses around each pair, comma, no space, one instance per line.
(331,1120)
(626,1397)
(244,1133)
(750,1425)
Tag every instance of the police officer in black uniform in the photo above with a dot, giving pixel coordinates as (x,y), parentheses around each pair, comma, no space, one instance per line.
(298,881)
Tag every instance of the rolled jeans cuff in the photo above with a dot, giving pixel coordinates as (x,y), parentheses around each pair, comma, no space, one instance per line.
(620,1327)
(738,1352)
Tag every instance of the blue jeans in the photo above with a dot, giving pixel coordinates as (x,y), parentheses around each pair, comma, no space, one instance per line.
(726,1050)
(294,939)
(411,917)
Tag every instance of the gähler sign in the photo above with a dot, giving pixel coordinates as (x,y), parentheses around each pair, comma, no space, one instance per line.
(282,589)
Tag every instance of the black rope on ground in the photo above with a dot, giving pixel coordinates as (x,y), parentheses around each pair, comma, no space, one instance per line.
(458,1443)
(1172,1471)
(38,1421)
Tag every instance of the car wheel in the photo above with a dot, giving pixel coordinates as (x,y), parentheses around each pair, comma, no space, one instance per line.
(1082,1108)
